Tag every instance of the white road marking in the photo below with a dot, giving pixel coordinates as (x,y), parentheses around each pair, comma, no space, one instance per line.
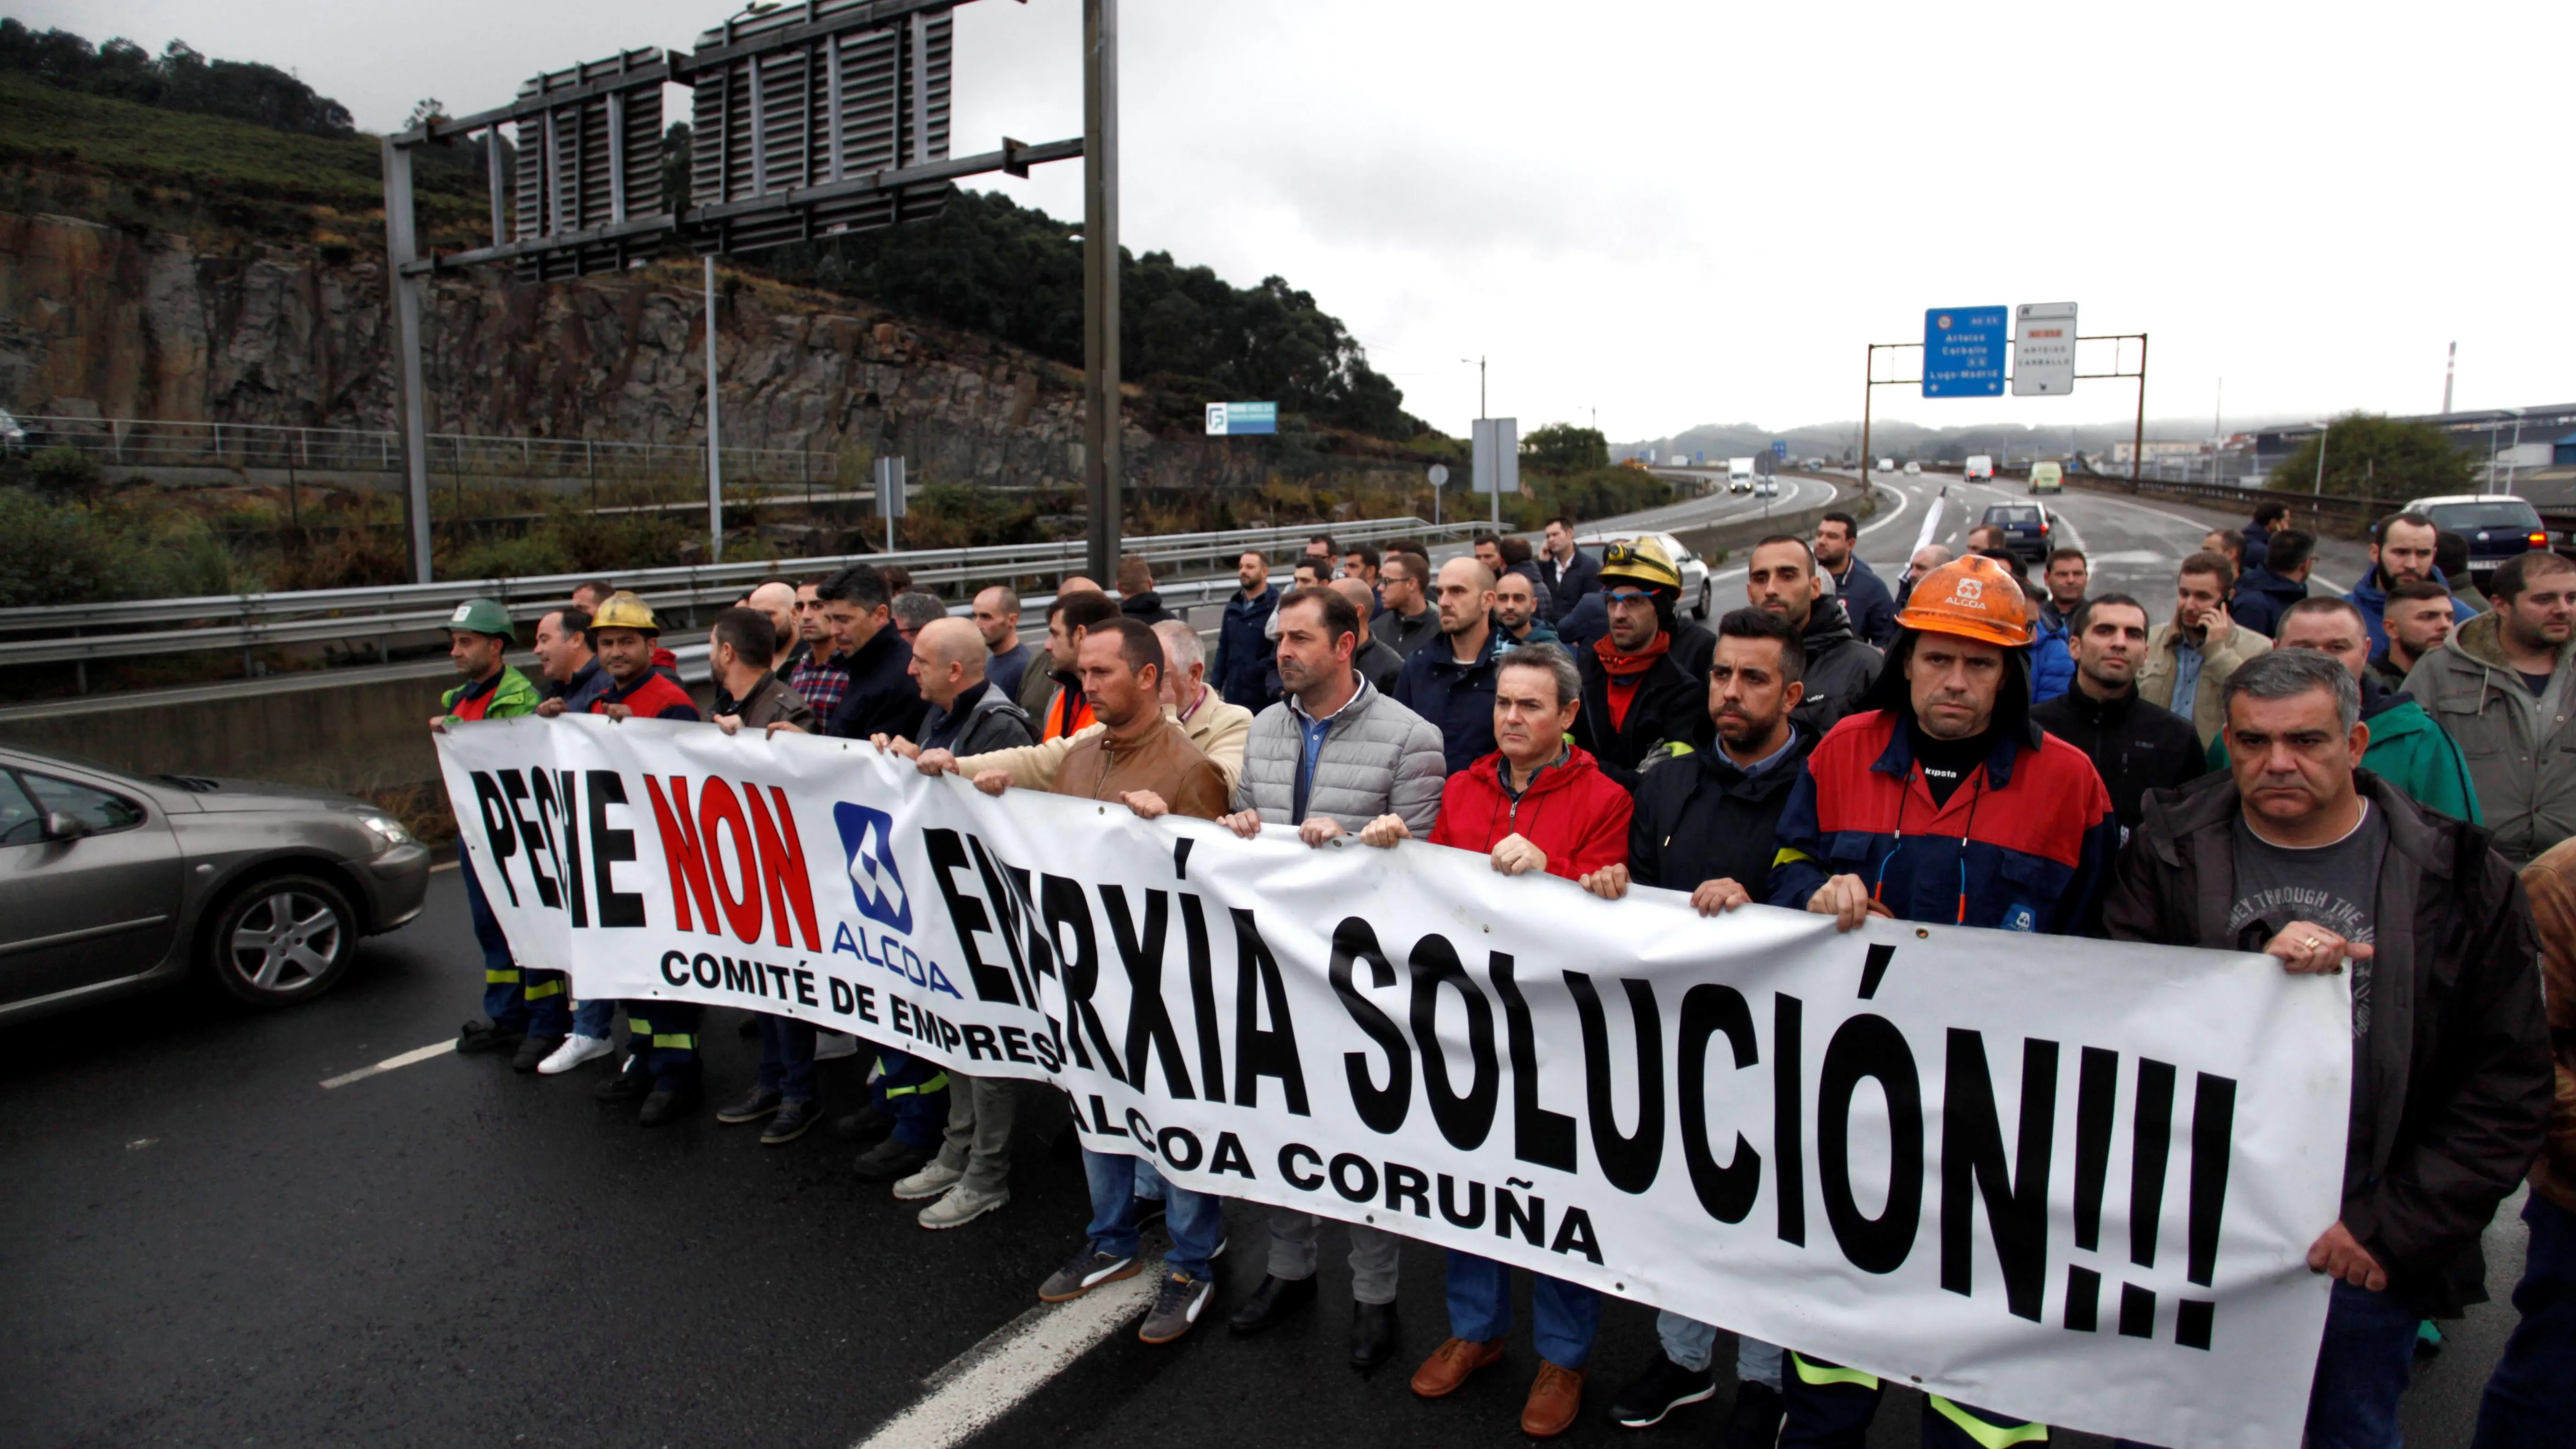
(391,1064)
(1014,1361)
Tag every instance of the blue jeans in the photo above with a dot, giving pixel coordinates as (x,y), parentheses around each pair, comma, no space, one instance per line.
(1196,1220)
(592,1017)
(1480,1309)
(2532,1398)
(2362,1370)
(1693,1344)
(787,1057)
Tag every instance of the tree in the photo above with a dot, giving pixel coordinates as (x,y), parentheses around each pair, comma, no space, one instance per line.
(1565,448)
(2372,456)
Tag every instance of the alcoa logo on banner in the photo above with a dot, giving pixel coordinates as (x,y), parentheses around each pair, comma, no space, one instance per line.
(868,836)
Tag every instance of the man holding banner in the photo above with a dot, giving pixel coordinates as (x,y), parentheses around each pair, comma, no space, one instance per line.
(2296,853)
(1142,758)
(1538,803)
(2012,829)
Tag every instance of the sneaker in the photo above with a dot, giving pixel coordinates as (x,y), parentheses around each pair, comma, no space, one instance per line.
(1087,1271)
(790,1122)
(831,1044)
(1754,1423)
(1662,1388)
(891,1161)
(751,1107)
(575,1050)
(934,1180)
(960,1206)
(482,1036)
(533,1051)
(1176,1306)
(624,1085)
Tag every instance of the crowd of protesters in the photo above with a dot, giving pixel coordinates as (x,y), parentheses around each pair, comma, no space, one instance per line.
(2381,783)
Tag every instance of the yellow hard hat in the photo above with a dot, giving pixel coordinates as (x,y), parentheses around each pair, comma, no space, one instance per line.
(1640,561)
(623,610)
(1974,598)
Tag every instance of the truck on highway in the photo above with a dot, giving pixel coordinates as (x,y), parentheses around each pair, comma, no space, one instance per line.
(1980,469)
(1887,465)
(1739,475)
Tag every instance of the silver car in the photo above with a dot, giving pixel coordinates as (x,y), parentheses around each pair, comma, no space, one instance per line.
(111,884)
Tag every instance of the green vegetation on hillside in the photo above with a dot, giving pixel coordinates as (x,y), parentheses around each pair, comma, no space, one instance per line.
(988,265)
(178,79)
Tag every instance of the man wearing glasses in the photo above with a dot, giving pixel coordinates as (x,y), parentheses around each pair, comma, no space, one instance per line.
(1641,694)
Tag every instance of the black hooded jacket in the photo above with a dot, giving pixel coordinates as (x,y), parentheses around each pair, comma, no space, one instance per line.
(1840,669)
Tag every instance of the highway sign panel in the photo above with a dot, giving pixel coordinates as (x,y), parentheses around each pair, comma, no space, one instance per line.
(1229,419)
(890,487)
(1779,448)
(1963,351)
(2043,349)
(1497,455)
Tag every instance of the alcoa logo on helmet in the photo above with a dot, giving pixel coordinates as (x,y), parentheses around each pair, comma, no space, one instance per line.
(1969,591)
(868,836)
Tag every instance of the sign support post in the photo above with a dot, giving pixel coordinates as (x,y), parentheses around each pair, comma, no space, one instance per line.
(1102,491)
(411,399)
(715,453)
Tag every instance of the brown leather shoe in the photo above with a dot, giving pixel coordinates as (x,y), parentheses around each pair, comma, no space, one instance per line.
(1552,1401)
(1451,1363)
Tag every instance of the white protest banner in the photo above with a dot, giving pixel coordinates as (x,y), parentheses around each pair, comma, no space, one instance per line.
(2064,1179)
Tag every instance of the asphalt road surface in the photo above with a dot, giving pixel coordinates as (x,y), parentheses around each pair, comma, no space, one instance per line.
(202,1244)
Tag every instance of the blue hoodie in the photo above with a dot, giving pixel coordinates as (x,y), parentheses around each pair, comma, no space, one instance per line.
(2370,598)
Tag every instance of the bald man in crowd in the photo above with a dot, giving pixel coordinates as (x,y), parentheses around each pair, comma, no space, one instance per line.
(967,714)
(777,599)
(1376,663)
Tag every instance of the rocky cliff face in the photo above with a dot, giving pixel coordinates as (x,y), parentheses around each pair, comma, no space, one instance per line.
(110,322)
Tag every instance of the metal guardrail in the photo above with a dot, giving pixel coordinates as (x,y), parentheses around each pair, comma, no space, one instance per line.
(2342,508)
(382,613)
(145,442)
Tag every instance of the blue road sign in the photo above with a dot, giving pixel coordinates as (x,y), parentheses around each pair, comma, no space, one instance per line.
(1779,448)
(1964,350)
(1232,418)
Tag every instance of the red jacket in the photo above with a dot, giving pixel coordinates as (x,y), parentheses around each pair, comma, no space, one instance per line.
(1571,810)
(652,695)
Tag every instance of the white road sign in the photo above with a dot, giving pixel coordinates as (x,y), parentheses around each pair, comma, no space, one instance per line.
(2043,349)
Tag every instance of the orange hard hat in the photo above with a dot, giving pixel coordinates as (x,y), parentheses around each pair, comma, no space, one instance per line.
(1974,598)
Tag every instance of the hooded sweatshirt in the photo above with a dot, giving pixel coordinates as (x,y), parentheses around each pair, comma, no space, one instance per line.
(2520,749)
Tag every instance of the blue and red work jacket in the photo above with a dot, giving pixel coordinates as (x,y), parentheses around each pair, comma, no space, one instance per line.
(2025,845)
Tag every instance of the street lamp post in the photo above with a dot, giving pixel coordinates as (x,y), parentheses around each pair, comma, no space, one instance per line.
(2323,429)
(2511,460)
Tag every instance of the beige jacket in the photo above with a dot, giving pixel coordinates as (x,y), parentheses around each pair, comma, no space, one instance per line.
(2158,671)
(1219,730)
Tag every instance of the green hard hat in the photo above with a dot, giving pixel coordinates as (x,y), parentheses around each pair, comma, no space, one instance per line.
(483,616)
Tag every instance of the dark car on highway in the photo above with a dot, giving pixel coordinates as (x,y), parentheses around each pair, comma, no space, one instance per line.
(2497,526)
(113,883)
(2025,527)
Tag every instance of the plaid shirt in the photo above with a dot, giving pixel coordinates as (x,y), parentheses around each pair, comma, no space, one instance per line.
(822,682)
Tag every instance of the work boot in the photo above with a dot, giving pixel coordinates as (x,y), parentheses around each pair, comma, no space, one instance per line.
(1272,1303)
(890,1161)
(866,1126)
(1553,1400)
(1754,1422)
(669,1104)
(482,1036)
(1449,1365)
(629,1084)
(533,1052)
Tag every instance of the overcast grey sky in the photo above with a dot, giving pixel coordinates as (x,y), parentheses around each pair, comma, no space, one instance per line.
(1680,212)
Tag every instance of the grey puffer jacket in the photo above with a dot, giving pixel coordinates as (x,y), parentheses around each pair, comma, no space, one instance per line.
(1378,758)
(2521,750)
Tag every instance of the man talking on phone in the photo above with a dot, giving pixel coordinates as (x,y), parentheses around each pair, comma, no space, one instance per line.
(2189,660)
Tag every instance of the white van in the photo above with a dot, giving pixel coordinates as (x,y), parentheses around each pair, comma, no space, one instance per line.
(1980,469)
